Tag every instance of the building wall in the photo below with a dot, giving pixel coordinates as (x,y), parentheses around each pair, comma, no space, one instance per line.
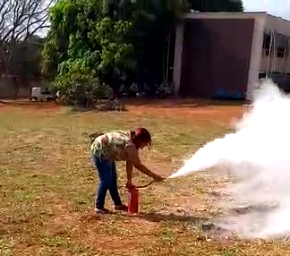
(273,62)
(254,60)
(178,56)
(257,42)
(256,55)
(216,57)
(278,24)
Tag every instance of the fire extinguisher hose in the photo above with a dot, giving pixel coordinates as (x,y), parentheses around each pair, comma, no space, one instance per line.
(144,186)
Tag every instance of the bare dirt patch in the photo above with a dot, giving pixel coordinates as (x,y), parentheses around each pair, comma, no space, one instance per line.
(30,105)
(188,109)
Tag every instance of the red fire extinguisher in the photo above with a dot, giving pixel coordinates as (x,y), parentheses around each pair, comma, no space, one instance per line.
(133,198)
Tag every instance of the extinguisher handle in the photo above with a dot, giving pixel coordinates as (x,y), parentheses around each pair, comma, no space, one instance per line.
(144,186)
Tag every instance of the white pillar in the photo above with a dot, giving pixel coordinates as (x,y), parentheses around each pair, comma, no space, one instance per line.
(178,50)
(256,55)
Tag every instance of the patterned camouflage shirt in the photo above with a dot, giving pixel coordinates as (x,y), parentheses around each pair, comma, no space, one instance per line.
(112,145)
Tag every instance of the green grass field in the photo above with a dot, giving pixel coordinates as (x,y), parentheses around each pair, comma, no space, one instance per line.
(48,184)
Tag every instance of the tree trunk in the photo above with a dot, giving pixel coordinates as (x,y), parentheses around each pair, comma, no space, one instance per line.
(30,92)
(15,88)
(167,56)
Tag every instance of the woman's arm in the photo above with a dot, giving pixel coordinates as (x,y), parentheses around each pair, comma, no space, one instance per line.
(134,160)
(142,168)
(129,171)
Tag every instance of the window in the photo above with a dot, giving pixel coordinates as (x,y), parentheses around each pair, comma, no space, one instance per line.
(262,75)
(266,44)
(280,52)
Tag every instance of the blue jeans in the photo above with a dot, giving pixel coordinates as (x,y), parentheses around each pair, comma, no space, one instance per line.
(106,170)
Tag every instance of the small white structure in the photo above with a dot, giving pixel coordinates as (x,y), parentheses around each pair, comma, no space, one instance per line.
(40,94)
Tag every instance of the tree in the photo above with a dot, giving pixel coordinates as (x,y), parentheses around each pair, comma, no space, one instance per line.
(217,6)
(79,87)
(82,37)
(115,56)
(24,63)
(19,21)
(153,24)
(115,41)
(118,9)
(71,21)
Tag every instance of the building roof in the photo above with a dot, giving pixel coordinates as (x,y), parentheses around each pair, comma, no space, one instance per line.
(216,15)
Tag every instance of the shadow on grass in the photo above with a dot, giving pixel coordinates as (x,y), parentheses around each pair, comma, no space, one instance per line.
(197,223)
(152,217)
(159,217)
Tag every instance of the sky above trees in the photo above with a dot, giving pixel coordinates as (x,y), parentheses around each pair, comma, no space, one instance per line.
(274,7)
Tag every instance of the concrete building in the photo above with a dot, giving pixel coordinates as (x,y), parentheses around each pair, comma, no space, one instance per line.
(224,54)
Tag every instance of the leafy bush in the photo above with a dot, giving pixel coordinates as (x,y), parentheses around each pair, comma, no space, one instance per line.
(81,90)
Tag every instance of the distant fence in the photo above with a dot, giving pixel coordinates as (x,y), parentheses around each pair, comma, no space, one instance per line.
(6,88)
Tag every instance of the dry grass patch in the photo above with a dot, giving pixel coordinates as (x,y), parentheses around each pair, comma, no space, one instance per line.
(48,185)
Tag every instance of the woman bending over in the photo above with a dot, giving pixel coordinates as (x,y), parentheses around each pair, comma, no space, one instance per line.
(118,146)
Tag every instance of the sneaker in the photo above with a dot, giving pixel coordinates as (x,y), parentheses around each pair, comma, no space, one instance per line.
(101,210)
(121,208)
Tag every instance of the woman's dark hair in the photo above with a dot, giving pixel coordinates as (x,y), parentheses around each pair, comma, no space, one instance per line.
(141,135)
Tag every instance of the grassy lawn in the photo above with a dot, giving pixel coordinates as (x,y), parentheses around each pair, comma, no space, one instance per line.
(48,183)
